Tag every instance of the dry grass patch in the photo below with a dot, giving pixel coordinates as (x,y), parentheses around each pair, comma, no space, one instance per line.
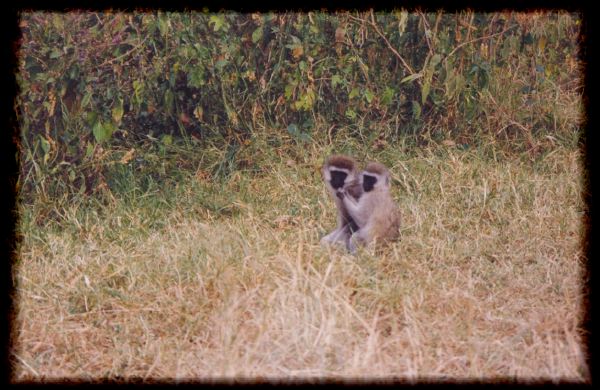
(485,282)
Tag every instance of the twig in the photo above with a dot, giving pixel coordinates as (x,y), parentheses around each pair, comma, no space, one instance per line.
(478,39)
(329,133)
(372,23)
(124,54)
(426,27)
(389,45)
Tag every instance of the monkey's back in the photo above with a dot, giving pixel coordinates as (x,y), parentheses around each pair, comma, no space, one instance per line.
(386,224)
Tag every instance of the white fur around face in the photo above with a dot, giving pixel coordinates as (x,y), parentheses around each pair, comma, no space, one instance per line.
(339,169)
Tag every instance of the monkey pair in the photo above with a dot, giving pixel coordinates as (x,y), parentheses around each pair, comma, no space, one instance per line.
(367,213)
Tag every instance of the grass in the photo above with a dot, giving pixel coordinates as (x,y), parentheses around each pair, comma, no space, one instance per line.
(202,278)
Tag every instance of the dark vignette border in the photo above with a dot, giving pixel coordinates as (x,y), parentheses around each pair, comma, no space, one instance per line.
(9,164)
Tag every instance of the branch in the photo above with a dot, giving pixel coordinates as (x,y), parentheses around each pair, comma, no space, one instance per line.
(478,39)
(426,27)
(110,60)
(389,45)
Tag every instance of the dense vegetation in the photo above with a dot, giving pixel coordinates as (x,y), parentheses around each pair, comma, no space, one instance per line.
(104,92)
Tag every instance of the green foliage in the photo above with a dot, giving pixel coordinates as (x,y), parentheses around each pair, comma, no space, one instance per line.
(91,81)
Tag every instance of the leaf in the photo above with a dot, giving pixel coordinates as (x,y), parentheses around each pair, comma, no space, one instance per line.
(138,90)
(167,139)
(542,43)
(434,61)
(169,101)
(340,33)
(89,150)
(425,89)
(304,137)
(257,34)
(306,100)
(250,75)
(289,90)
(199,113)
(91,118)
(295,132)
(98,132)
(163,24)
(335,80)
(101,132)
(411,77)
(350,113)
(110,128)
(368,95)
(297,51)
(55,53)
(310,98)
(450,84)
(196,77)
(184,118)
(117,112)
(86,99)
(218,22)
(293,129)
(364,67)
(45,145)
(388,95)
(428,75)
(74,72)
(355,92)
(402,22)
(416,110)
(221,64)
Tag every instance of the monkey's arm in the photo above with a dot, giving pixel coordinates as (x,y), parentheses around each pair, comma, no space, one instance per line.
(351,204)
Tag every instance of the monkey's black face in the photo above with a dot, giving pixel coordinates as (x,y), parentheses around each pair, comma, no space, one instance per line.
(369,182)
(337,179)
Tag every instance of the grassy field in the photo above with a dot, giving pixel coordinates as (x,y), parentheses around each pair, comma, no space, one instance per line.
(207,279)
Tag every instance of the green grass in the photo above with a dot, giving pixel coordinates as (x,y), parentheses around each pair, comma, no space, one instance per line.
(200,274)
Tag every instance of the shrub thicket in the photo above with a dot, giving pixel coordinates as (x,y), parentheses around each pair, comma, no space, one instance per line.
(96,81)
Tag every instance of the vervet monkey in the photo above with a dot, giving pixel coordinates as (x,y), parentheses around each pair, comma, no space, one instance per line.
(375,212)
(341,176)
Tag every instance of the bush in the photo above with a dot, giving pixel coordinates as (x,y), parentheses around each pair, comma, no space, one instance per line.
(91,82)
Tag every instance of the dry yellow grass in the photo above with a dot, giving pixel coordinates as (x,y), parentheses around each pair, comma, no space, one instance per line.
(485,283)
